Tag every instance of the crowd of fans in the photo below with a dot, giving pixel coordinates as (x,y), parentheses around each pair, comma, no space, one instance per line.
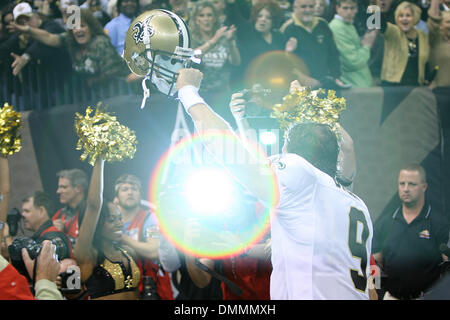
(409,47)
(342,43)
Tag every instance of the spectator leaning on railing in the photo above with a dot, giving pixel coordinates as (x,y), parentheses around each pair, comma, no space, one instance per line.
(90,49)
(22,48)
(406,48)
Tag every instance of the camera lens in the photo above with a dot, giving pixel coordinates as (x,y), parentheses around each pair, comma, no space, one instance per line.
(15,253)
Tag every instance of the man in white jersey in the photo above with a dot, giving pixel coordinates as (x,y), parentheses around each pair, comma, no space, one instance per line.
(321,234)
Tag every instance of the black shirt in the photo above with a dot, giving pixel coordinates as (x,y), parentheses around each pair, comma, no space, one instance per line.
(411,255)
(56,59)
(251,43)
(316,48)
(409,77)
(48,232)
(188,290)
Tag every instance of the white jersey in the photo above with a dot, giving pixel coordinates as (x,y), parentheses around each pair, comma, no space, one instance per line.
(321,236)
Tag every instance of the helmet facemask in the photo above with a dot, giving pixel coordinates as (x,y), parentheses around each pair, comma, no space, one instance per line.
(164,67)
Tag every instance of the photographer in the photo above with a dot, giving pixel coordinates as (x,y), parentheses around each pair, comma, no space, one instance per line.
(14,286)
(35,212)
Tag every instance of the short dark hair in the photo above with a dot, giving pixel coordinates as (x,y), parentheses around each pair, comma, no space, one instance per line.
(119,3)
(76,177)
(416,167)
(41,199)
(339,2)
(315,142)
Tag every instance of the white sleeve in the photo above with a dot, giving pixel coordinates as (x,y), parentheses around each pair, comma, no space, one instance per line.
(293,172)
(168,255)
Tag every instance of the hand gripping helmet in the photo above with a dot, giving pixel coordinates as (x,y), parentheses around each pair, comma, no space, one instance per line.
(157,47)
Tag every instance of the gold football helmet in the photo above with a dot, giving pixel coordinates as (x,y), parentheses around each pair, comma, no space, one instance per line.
(157,47)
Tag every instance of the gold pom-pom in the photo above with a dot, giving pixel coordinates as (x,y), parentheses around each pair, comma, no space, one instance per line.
(10,123)
(101,134)
(308,105)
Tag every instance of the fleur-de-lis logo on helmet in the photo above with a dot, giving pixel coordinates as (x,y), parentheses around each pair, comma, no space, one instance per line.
(139,33)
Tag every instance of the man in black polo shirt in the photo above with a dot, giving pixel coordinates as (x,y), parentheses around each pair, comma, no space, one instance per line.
(406,242)
(315,46)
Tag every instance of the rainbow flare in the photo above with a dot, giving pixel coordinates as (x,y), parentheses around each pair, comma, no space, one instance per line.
(172,222)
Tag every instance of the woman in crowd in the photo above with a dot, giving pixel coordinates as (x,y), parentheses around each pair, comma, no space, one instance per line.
(90,49)
(108,268)
(439,26)
(217,44)
(219,53)
(406,48)
(258,35)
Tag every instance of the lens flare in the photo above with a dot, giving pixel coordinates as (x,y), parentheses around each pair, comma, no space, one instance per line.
(275,70)
(209,191)
(268,138)
(201,207)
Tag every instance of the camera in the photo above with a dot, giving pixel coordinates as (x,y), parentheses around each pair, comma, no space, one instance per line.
(254,97)
(13,219)
(149,289)
(34,249)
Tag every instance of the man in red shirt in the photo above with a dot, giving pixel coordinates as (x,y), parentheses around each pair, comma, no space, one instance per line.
(141,233)
(72,186)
